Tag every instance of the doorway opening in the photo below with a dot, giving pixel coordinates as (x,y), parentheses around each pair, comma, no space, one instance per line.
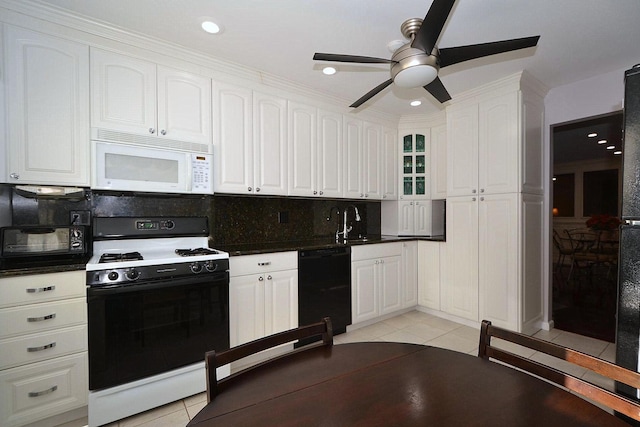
(587,186)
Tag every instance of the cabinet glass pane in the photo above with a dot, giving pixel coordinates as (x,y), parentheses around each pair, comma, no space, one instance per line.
(408,164)
(408,186)
(419,164)
(420,187)
(419,143)
(407,144)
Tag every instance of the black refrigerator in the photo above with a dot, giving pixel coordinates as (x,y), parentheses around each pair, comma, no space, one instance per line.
(628,319)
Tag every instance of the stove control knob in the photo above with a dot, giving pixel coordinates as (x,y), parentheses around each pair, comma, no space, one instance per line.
(211,265)
(196,267)
(132,274)
(113,275)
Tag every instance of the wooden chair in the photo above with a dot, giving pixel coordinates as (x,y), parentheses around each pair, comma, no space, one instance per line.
(215,359)
(617,402)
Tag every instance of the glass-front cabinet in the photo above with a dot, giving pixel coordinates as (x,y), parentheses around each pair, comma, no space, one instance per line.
(414,177)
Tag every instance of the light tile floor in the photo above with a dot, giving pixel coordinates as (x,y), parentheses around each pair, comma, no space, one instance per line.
(413,327)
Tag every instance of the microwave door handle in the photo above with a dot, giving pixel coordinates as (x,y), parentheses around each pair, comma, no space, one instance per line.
(39,230)
(189,172)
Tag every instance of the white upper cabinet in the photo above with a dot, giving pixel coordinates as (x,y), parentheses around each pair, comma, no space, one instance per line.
(372,146)
(137,96)
(47,91)
(353,161)
(270,144)
(415,154)
(438,172)
(303,121)
(233,139)
(389,164)
(330,154)
(250,141)
(494,142)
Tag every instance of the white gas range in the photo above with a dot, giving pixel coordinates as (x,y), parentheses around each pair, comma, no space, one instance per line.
(157,300)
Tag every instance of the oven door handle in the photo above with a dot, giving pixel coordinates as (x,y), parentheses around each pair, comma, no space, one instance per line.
(157,284)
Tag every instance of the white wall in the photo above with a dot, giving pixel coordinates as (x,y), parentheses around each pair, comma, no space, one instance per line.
(591,97)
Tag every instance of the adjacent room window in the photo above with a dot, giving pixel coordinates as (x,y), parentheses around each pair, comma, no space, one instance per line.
(600,192)
(563,195)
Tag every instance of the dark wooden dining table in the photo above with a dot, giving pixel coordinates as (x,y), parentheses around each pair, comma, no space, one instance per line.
(393,384)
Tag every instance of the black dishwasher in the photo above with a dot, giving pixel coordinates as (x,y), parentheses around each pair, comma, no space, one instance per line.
(324,287)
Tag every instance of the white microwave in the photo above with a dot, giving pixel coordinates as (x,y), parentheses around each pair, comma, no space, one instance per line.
(125,167)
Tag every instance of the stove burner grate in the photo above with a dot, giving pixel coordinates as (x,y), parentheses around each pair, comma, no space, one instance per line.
(196,251)
(128,256)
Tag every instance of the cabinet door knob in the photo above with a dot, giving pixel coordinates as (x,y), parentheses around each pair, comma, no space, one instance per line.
(152,130)
(482,199)
(262,264)
(473,191)
(473,199)
(14,176)
(321,193)
(315,192)
(164,132)
(269,277)
(361,194)
(249,188)
(482,190)
(257,189)
(260,279)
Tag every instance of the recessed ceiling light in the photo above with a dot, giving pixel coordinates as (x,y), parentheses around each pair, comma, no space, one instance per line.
(329,71)
(602,141)
(416,103)
(592,135)
(611,147)
(617,152)
(211,27)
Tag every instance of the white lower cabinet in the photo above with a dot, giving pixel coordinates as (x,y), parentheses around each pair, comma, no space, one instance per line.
(429,272)
(376,278)
(43,346)
(263,295)
(410,274)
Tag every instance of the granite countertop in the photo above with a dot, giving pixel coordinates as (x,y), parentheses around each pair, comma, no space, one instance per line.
(319,243)
(8,269)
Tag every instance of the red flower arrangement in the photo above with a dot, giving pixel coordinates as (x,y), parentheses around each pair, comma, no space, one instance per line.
(603,222)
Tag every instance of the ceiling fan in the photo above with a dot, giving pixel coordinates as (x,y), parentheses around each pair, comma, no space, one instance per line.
(417,62)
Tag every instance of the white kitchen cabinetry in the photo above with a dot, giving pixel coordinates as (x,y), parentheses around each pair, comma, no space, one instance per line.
(43,346)
(135,96)
(429,268)
(494,259)
(409,274)
(494,143)
(365,170)
(389,164)
(47,107)
(315,152)
(407,217)
(376,274)
(250,142)
(438,172)
(263,295)
(414,170)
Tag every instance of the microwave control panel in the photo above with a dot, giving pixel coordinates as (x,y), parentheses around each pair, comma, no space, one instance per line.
(201,176)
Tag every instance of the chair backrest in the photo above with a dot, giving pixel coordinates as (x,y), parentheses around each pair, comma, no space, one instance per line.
(591,391)
(215,359)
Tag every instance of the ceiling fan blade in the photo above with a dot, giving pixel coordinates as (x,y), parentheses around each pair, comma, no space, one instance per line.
(436,88)
(350,58)
(371,94)
(427,36)
(453,55)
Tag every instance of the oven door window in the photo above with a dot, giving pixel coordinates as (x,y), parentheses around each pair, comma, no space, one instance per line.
(146,329)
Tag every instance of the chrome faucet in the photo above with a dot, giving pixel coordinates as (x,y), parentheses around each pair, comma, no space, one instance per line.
(345,228)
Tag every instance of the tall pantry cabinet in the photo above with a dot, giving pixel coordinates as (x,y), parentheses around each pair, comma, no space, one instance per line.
(495,204)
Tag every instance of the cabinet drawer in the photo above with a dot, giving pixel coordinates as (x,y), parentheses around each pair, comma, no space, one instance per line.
(33,318)
(41,390)
(36,288)
(256,264)
(36,347)
(371,251)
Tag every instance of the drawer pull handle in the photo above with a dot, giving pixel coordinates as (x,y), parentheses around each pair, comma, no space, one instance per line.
(42,347)
(37,290)
(264,263)
(40,319)
(43,392)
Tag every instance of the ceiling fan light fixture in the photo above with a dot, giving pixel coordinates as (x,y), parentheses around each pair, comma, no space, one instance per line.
(416,76)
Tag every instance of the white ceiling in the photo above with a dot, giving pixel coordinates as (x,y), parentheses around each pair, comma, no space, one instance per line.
(579,38)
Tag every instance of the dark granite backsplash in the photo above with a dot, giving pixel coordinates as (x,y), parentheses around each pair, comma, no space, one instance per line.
(233,219)
(251,219)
